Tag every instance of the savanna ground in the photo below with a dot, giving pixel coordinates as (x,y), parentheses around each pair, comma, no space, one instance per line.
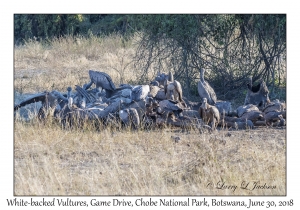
(49,160)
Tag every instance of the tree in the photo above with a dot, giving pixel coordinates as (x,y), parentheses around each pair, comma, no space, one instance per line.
(231,47)
(44,26)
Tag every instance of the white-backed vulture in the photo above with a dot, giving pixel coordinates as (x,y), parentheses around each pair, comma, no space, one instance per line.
(140,106)
(170,106)
(224,107)
(173,91)
(257,95)
(124,94)
(140,92)
(275,106)
(89,98)
(250,112)
(154,83)
(246,108)
(209,114)
(71,104)
(161,77)
(151,108)
(205,90)
(153,91)
(129,117)
(102,81)
(32,99)
(253,116)
(53,100)
(275,112)
(273,117)
(157,93)
(76,117)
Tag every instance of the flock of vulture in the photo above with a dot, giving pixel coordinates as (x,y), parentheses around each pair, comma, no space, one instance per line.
(157,104)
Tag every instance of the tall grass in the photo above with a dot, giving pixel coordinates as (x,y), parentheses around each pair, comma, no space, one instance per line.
(65,62)
(49,160)
(52,161)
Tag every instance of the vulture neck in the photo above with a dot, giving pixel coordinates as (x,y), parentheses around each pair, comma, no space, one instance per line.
(202,75)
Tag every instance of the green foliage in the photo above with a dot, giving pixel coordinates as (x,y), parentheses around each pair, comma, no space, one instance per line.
(45,26)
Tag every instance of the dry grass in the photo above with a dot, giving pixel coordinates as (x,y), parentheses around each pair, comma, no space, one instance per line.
(66,61)
(51,161)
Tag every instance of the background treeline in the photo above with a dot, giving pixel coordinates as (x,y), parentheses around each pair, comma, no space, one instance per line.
(47,26)
(232,47)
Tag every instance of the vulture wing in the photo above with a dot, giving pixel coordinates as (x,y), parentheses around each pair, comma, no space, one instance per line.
(140,92)
(169,105)
(101,79)
(35,98)
(212,94)
(203,93)
(178,89)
